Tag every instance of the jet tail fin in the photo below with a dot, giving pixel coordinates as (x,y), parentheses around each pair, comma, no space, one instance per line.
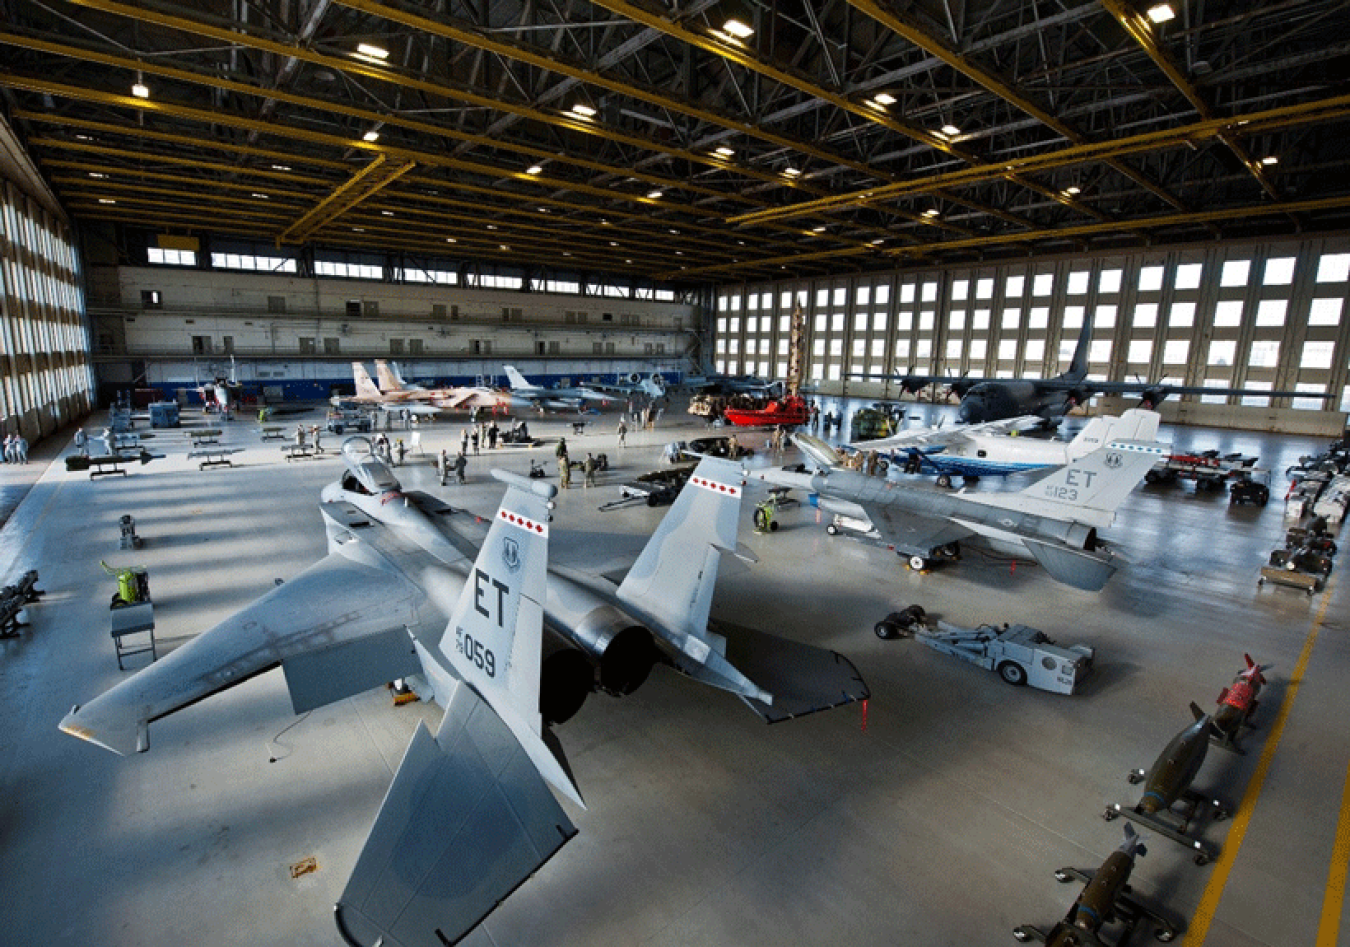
(1096,482)
(365,385)
(1078,365)
(674,576)
(1136,424)
(820,452)
(516,379)
(388,380)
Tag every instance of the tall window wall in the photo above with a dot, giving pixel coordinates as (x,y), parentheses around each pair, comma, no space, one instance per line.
(45,378)
(1257,316)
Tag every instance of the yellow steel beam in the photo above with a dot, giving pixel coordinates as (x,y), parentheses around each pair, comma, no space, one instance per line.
(369,180)
(1303,113)
(1080,230)
(1001,88)
(370,117)
(1142,32)
(389,74)
(110,173)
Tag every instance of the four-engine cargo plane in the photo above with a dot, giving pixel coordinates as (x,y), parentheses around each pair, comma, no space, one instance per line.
(400,596)
(1054,520)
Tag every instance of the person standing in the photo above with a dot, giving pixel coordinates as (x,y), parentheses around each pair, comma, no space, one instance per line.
(473,439)
(492,433)
(9,448)
(82,442)
(442,465)
(316,433)
(461,464)
(623,432)
(564,472)
(588,468)
(464,441)
(21,449)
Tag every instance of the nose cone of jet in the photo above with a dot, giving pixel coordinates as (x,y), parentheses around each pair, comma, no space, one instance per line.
(970,413)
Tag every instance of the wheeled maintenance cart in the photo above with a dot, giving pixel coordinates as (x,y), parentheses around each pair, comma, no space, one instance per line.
(1018,654)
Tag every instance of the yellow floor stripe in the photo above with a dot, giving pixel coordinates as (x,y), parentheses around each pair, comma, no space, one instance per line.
(1334,898)
(1209,901)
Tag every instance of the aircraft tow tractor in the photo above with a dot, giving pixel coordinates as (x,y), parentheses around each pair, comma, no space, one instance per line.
(1018,654)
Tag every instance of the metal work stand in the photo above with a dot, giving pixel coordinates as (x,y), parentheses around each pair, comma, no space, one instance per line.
(130,620)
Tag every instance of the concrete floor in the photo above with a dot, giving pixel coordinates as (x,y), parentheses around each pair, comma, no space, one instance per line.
(935,818)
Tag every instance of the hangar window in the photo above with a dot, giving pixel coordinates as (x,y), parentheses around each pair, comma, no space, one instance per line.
(904,321)
(1145,315)
(1333,268)
(1308,404)
(1151,279)
(883,294)
(961,290)
(1188,276)
(151,299)
(822,298)
(1007,350)
(1099,352)
(1280,271)
(1105,318)
(1182,314)
(1235,273)
(751,325)
(860,322)
(956,320)
(926,320)
(1014,286)
(783,347)
(1325,312)
(863,295)
(984,289)
(1317,355)
(980,321)
(1140,351)
(923,349)
(172,257)
(1078,283)
(840,296)
(878,349)
(859,348)
(907,293)
(837,324)
(836,347)
(954,347)
(722,326)
(1073,317)
(822,324)
(1271,312)
(1256,401)
(1228,313)
(1109,282)
(750,347)
(978,348)
(1011,318)
(1035,350)
(1040,317)
(784,324)
(901,349)
(930,292)
(1221,351)
(1214,399)
(1175,351)
(1043,285)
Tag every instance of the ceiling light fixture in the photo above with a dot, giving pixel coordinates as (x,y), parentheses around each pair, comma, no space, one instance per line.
(792,172)
(885,98)
(654,195)
(932,212)
(950,130)
(584,110)
(281,167)
(140,90)
(451,240)
(371,135)
(1161,13)
(1270,159)
(737,28)
(725,152)
(261,197)
(97,174)
(387,213)
(106,200)
(534,169)
(374,52)
(1073,190)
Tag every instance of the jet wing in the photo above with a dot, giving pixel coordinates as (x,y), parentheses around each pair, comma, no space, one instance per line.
(338,629)
(913,532)
(466,821)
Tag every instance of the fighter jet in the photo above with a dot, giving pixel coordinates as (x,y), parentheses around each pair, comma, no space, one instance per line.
(993,449)
(380,607)
(1168,781)
(1054,520)
(635,383)
(994,399)
(1237,703)
(391,395)
(1105,898)
(555,399)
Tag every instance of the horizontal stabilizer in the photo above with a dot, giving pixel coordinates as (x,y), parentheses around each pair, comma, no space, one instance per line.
(1075,567)
(317,678)
(803,679)
(823,454)
(466,821)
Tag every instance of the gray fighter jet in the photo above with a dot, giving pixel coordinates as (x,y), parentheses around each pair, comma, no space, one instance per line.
(1054,521)
(525,394)
(377,609)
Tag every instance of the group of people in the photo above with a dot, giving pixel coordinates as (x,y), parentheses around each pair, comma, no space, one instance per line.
(445,466)
(589,466)
(16,449)
(478,434)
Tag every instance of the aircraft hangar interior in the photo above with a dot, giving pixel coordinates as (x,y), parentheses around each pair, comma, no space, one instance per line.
(731,472)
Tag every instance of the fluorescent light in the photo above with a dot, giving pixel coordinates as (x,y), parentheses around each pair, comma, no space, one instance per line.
(97,174)
(281,167)
(504,247)
(106,200)
(451,240)
(737,28)
(878,241)
(1073,190)
(374,52)
(885,98)
(387,213)
(932,212)
(371,135)
(792,172)
(725,152)
(584,110)
(141,90)
(654,195)
(1161,13)
(820,229)
(261,197)
(358,230)
(534,169)
(950,130)
(1270,159)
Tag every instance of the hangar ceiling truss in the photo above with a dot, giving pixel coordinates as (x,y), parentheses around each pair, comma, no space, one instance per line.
(643,138)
